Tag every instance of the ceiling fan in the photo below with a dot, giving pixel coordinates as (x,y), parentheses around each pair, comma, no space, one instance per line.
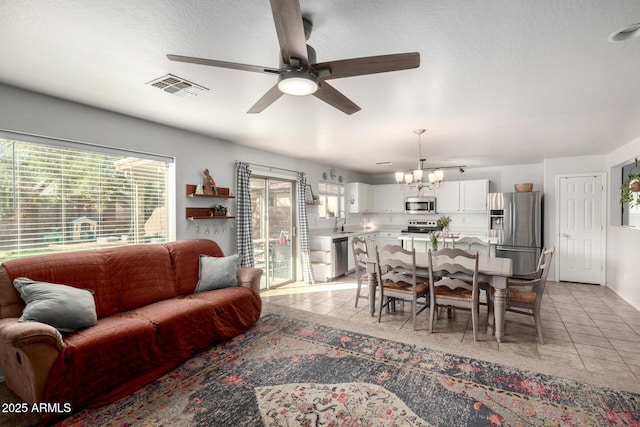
(299,74)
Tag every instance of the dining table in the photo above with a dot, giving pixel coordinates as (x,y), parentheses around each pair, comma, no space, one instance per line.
(492,270)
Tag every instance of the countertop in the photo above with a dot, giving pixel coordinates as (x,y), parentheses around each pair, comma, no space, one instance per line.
(347,233)
(401,236)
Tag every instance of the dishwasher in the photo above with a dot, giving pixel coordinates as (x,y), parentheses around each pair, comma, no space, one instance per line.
(340,250)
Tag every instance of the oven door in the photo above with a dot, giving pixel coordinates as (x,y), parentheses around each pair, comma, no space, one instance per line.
(420,205)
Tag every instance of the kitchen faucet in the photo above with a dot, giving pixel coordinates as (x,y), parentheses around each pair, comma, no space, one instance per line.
(335,224)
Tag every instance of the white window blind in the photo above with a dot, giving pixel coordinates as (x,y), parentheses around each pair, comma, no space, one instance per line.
(58,198)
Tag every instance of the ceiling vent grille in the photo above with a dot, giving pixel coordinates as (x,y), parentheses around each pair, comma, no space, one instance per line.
(176,86)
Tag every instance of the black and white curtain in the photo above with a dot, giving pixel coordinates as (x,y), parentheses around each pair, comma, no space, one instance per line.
(303,229)
(244,215)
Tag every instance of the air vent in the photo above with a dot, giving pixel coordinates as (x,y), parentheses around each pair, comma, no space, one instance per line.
(176,86)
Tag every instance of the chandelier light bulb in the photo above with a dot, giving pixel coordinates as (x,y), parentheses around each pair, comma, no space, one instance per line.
(408,178)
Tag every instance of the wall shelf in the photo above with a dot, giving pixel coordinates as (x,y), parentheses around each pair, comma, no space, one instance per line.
(207,213)
(193,218)
(212,195)
(223,192)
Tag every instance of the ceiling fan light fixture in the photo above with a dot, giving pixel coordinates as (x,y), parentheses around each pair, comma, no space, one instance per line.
(298,83)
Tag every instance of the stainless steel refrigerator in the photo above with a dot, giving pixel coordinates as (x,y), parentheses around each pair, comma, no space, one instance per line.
(515,225)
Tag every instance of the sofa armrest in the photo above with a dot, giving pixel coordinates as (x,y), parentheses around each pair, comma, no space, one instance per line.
(20,334)
(250,278)
(27,353)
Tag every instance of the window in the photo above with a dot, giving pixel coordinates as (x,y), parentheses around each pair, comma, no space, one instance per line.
(331,198)
(631,210)
(71,196)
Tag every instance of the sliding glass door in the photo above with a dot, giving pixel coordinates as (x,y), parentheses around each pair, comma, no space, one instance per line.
(273,229)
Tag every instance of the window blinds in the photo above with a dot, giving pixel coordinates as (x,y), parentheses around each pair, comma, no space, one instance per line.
(60,198)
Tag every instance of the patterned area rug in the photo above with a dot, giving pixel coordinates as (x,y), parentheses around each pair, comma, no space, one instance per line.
(289,372)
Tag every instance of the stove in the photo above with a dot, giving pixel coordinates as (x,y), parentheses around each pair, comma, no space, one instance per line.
(422,226)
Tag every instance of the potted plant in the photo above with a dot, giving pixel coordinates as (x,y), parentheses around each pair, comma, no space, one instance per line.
(434,240)
(444,222)
(219,210)
(630,188)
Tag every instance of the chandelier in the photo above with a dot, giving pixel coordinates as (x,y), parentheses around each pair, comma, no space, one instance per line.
(416,177)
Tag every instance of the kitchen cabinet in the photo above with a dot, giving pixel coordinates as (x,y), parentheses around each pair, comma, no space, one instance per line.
(421,245)
(448,197)
(473,195)
(387,238)
(413,192)
(321,257)
(462,196)
(388,198)
(359,197)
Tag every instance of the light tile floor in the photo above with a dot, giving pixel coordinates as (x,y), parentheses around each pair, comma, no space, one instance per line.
(586,327)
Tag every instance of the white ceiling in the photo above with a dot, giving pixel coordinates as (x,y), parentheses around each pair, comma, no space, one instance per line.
(500,81)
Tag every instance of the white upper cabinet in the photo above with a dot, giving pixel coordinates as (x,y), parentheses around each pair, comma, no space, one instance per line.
(359,197)
(388,198)
(448,197)
(462,196)
(473,195)
(413,192)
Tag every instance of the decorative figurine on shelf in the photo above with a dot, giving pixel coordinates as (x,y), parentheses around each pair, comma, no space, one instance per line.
(209,183)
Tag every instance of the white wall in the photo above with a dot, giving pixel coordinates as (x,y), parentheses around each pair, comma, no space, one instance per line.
(29,112)
(623,275)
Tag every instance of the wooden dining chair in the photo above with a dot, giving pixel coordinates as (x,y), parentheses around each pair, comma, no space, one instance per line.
(453,283)
(525,292)
(397,280)
(360,254)
(471,244)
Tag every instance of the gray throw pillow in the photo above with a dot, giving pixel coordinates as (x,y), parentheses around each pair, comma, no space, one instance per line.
(64,307)
(218,272)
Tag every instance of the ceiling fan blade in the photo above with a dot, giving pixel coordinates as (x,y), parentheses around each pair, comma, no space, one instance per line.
(331,96)
(368,65)
(288,19)
(223,64)
(267,99)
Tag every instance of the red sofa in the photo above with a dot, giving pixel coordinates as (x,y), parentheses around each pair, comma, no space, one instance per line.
(149,321)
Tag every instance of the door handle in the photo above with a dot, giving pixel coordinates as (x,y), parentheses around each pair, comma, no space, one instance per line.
(565,235)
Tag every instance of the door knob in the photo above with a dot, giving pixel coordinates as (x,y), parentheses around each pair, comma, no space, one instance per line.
(565,235)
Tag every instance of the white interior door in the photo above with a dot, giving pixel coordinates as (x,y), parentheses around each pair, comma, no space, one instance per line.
(581,229)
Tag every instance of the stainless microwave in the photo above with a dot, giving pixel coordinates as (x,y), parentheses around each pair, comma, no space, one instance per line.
(420,205)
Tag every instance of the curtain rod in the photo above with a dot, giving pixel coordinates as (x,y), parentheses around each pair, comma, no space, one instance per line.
(269,167)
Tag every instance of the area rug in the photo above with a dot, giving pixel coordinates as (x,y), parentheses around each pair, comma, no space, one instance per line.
(290,372)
